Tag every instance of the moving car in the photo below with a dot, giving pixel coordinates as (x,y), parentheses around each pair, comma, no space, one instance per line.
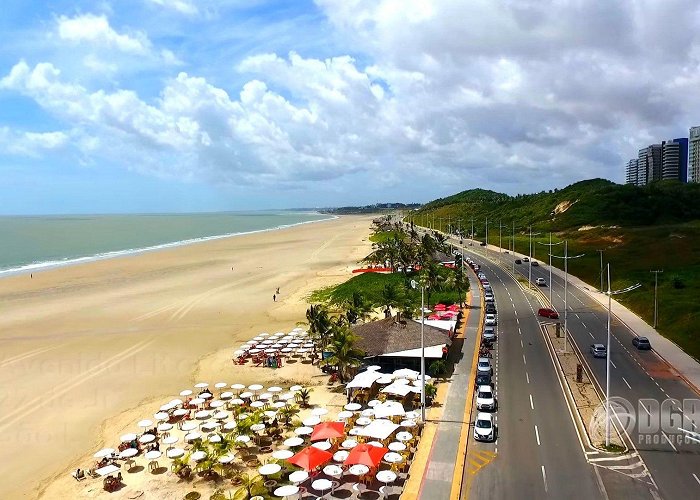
(484,366)
(490,320)
(535,263)
(518,261)
(484,429)
(483,243)
(526,259)
(489,334)
(541,282)
(485,399)
(641,343)
(598,350)
(548,313)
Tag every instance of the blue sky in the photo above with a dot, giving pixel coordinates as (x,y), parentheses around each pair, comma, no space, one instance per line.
(204,105)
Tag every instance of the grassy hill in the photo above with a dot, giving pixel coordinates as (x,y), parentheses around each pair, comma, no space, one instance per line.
(638,228)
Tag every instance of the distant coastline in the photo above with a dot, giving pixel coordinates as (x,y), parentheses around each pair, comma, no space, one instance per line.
(42,265)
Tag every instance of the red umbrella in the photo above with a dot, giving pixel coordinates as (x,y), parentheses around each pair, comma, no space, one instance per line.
(439,307)
(328,430)
(433,316)
(453,308)
(310,458)
(448,315)
(366,454)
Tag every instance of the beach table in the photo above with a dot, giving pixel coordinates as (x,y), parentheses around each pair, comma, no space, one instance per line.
(293,442)
(175,453)
(298,476)
(286,491)
(353,406)
(106,470)
(393,458)
(322,445)
(348,444)
(322,485)
(397,446)
(340,456)
(333,470)
(282,454)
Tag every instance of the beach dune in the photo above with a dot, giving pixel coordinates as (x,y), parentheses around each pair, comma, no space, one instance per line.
(86,343)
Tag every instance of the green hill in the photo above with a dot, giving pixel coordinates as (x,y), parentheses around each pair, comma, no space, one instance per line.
(638,228)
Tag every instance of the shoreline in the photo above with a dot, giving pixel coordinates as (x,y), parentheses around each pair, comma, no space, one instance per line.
(72,261)
(87,344)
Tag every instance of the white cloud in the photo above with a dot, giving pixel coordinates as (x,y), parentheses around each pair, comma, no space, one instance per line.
(182,6)
(32,144)
(96,29)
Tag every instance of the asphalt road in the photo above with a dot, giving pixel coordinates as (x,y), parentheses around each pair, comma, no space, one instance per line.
(538,453)
(643,379)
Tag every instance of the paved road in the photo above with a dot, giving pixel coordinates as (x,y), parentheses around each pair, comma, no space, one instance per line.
(640,377)
(538,453)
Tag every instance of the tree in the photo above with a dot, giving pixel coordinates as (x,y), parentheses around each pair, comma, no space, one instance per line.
(391,296)
(357,308)
(437,368)
(251,485)
(319,322)
(344,355)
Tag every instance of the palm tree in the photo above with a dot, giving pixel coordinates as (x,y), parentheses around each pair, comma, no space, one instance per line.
(250,485)
(344,355)
(288,412)
(357,308)
(303,396)
(319,322)
(391,296)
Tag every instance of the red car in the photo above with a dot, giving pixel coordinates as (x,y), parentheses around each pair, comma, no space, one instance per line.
(548,313)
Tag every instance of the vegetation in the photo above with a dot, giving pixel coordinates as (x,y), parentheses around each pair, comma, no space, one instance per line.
(638,229)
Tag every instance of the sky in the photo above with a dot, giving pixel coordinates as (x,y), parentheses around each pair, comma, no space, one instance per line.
(206,105)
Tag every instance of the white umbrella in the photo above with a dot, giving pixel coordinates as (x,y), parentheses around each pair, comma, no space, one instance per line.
(220,415)
(344,415)
(237,402)
(242,439)
(202,415)
(274,389)
(127,437)
(408,423)
(144,423)
(214,439)
(295,388)
(319,411)
(298,476)
(198,456)
(397,446)
(363,421)
(186,392)
(201,385)
(257,404)
(153,455)
(358,470)
(238,352)
(264,334)
(128,453)
(216,404)
(197,401)
(282,454)
(192,436)
(404,436)
(269,469)
(393,458)
(293,441)
(229,426)
(373,368)
(265,395)
(322,485)
(322,445)
(348,444)
(353,406)
(210,426)
(205,395)
(220,385)
(379,429)
(311,421)
(147,438)
(104,452)
(180,412)
(374,403)
(226,395)
(376,444)
(237,387)
(386,476)
(188,426)
(246,395)
(303,431)
(175,453)
(161,415)
(333,470)
(279,404)
(171,439)
(226,459)
(341,456)
(257,427)
(384,380)
(287,490)
(406,373)
(412,415)
(286,396)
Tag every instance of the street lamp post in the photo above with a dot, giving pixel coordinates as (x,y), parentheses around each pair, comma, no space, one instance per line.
(487,237)
(656,302)
(550,245)
(423,286)
(566,258)
(513,249)
(610,293)
(601,269)
(529,261)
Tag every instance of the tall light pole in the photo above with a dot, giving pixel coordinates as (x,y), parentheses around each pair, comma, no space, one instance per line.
(550,245)
(601,268)
(529,267)
(566,258)
(472,235)
(610,293)
(656,302)
(423,286)
(513,239)
(487,237)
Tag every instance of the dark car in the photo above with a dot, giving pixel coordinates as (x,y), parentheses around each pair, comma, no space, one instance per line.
(490,308)
(518,261)
(641,343)
(535,263)
(483,243)
(482,379)
(548,313)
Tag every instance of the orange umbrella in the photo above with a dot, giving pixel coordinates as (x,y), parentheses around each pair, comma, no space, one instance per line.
(366,454)
(328,430)
(310,458)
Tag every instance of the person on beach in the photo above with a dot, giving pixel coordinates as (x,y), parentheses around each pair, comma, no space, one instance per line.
(278,291)
(274,297)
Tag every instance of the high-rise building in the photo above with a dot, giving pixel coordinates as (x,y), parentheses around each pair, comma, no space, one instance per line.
(694,155)
(650,165)
(632,172)
(674,159)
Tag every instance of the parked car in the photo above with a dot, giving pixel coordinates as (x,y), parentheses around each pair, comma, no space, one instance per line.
(485,399)
(535,263)
(526,259)
(598,350)
(518,261)
(489,335)
(641,343)
(484,429)
(490,320)
(483,243)
(488,297)
(541,282)
(484,366)
(482,379)
(548,313)
(490,308)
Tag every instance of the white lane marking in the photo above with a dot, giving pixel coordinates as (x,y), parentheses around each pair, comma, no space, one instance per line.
(670,442)
(521,343)
(645,409)
(527,377)
(544,479)
(613,364)
(696,478)
(589,333)
(532,405)
(537,435)
(524,362)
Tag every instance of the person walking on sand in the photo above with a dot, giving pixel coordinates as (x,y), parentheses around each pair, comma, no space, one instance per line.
(274,297)
(278,291)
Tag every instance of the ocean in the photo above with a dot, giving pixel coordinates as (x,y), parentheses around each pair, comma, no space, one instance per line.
(31,243)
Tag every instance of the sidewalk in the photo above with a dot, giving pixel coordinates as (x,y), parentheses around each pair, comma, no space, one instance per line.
(438,476)
(687,367)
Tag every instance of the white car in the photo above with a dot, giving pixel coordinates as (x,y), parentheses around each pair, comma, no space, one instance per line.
(489,334)
(488,297)
(541,282)
(490,320)
(484,366)
(484,428)
(485,399)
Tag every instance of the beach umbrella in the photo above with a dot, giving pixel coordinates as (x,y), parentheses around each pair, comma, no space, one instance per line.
(153,455)
(322,445)
(265,396)
(287,490)
(201,385)
(274,389)
(293,441)
(386,476)
(171,439)
(406,373)
(311,421)
(264,334)
(242,439)
(348,444)
(282,454)
(440,307)
(202,415)
(345,414)
(104,452)
(303,431)
(205,395)
(353,406)
(269,469)
(217,404)
(397,446)
(220,385)
(226,395)
(229,426)
(246,395)
(161,415)
(393,458)
(404,436)
(164,427)
(197,401)
(309,458)
(198,456)
(186,392)
(144,423)
(319,411)
(358,470)
(295,388)
(128,453)
(237,387)
(226,459)
(126,438)
(328,430)
(257,404)
(210,426)
(220,415)
(366,454)
(180,412)
(322,485)
(192,436)
(214,439)
(298,476)
(340,456)
(373,368)
(175,453)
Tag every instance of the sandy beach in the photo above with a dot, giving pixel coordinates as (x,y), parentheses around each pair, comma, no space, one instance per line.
(85,347)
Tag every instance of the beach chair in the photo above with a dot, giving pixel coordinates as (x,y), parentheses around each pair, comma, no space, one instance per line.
(92,473)
(78,476)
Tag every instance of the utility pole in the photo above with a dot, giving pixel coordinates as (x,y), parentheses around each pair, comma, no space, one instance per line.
(550,245)
(656,302)
(529,267)
(566,258)
(601,268)
(513,250)
(472,235)
(500,243)
(487,237)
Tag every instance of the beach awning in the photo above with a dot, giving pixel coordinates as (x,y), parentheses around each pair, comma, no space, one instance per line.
(328,430)
(364,379)
(366,454)
(406,373)
(397,389)
(379,429)
(309,458)
(433,352)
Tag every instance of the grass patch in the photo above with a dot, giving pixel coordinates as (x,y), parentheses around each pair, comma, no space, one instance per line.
(383,236)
